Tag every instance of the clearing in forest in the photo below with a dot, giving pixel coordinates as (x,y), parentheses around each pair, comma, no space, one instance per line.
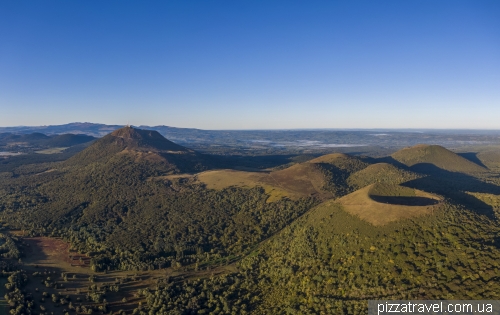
(55,270)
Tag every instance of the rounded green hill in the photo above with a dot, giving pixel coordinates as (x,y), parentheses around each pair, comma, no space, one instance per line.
(435,156)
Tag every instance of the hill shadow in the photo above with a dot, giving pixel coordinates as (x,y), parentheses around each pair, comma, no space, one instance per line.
(405,200)
(388,160)
(454,186)
(497,242)
(472,156)
(248,162)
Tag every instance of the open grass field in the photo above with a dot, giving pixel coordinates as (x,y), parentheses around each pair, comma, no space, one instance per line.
(221,179)
(310,178)
(226,178)
(371,205)
(300,180)
(51,150)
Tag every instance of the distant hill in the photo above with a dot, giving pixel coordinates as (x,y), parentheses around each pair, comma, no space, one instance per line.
(141,146)
(380,173)
(421,155)
(31,146)
(31,137)
(67,140)
(40,139)
(116,164)
(328,173)
(323,177)
(92,129)
(143,140)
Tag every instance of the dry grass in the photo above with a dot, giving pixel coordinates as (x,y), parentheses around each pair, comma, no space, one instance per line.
(300,180)
(297,181)
(225,178)
(360,203)
(221,179)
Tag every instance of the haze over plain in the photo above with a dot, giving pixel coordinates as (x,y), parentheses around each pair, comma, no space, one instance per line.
(251,65)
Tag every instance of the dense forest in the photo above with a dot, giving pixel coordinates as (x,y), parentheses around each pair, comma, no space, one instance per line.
(125,204)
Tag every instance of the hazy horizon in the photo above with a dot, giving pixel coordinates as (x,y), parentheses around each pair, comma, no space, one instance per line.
(252,66)
(275,129)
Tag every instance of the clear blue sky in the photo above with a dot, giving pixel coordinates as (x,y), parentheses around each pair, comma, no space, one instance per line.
(251,64)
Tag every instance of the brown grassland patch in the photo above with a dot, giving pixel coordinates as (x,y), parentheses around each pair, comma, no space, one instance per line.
(300,180)
(296,181)
(303,179)
(221,179)
(362,204)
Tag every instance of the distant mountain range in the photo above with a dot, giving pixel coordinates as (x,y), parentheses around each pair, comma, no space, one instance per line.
(99,130)
(40,139)
(298,141)
(146,147)
(92,129)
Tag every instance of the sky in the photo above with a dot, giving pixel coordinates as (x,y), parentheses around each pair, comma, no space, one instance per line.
(251,64)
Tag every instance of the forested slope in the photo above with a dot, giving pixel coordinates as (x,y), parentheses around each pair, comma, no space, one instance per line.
(132,201)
